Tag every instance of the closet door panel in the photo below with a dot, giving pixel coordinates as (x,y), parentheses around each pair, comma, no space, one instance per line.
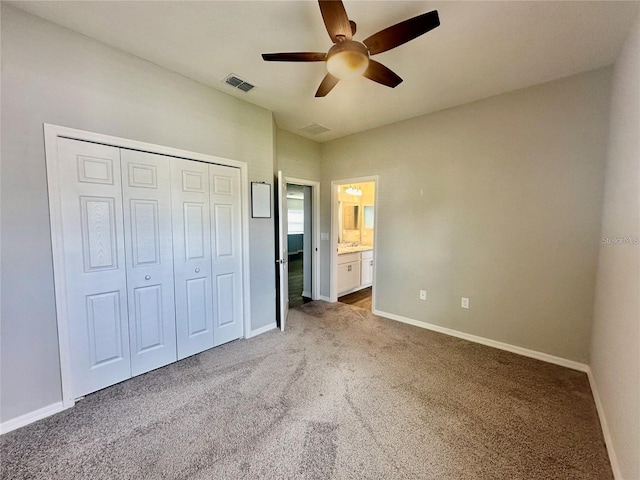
(197,304)
(95,270)
(146,184)
(226,253)
(192,256)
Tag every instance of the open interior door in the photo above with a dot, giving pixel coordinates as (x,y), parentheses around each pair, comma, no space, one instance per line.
(283,258)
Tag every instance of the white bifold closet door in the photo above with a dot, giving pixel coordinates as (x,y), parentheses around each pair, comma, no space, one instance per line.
(95,270)
(192,256)
(146,192)
(226,253)
(153,259)
(207,255)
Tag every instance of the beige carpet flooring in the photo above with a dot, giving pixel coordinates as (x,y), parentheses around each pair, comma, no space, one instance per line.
(341,394)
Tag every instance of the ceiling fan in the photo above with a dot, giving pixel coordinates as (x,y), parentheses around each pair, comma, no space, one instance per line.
(348,58)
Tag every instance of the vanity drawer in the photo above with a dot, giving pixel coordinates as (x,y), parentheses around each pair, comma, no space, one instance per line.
(348,258)
(367,255)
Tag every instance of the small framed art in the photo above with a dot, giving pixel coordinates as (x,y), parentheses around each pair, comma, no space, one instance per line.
(260,200)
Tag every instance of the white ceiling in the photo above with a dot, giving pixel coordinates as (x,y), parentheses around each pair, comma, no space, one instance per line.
(480,49)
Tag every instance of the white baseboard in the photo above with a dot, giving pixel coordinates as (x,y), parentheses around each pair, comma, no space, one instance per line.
(324,299)
(606,433)
(261,330)
(545,357)
(306,294)
(27,418)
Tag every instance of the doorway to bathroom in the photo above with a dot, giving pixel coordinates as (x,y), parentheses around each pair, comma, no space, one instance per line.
(353,238)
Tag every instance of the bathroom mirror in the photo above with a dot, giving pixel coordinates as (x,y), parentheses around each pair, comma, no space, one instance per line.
(350,216)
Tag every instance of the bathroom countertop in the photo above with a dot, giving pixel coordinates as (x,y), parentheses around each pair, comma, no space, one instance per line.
(359,248)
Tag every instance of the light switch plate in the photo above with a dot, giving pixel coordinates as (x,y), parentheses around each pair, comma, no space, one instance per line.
(423,294)
(324,236)
(464,302)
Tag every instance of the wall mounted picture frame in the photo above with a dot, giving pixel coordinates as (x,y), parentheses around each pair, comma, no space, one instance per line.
(260,200)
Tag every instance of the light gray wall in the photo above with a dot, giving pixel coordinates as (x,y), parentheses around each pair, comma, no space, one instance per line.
(509,213)
(297,156)
(615,344)
(50,74)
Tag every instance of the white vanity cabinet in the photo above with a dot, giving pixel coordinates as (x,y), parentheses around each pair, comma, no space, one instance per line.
(355,271)
(366,268)
(348,272)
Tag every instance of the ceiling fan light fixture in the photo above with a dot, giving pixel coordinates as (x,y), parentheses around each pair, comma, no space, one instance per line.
(347,59)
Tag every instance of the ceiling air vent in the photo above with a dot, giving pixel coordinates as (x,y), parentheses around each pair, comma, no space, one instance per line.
(314,129)
(237,82)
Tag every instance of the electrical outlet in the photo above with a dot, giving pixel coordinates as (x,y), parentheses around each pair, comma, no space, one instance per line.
(464,303)
(423,294)
(324,236)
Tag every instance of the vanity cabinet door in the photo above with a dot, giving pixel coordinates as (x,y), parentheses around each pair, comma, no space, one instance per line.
(348,276)
(366,276)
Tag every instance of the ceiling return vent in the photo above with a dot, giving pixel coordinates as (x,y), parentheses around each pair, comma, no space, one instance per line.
(237,82)
(314,129)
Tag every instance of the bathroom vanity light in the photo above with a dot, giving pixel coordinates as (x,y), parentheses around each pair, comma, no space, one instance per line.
(351,190)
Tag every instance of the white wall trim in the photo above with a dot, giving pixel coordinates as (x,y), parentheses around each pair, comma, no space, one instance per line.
(606,433)
(51,135)
(31,417)
(325,299)
(245,194)
(545,357)
(261,330)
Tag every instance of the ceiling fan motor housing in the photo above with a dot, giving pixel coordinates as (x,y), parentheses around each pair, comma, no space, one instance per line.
(347,59)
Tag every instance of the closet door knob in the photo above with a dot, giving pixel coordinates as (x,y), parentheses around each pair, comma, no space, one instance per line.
(147,277)
(197,270)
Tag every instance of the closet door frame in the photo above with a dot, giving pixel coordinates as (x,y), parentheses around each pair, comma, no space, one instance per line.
(51,135)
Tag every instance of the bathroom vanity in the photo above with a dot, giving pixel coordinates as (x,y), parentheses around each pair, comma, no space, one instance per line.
(355,268)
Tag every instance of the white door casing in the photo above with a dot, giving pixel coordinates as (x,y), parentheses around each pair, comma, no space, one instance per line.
(192,256)
(146,189)
(95,271)
(226,246)
(283,258)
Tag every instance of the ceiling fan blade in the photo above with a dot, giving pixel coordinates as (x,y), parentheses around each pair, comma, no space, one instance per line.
(295,57)
(328,82)
(335,19)
(381,74)
(401,32)
(354,27)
